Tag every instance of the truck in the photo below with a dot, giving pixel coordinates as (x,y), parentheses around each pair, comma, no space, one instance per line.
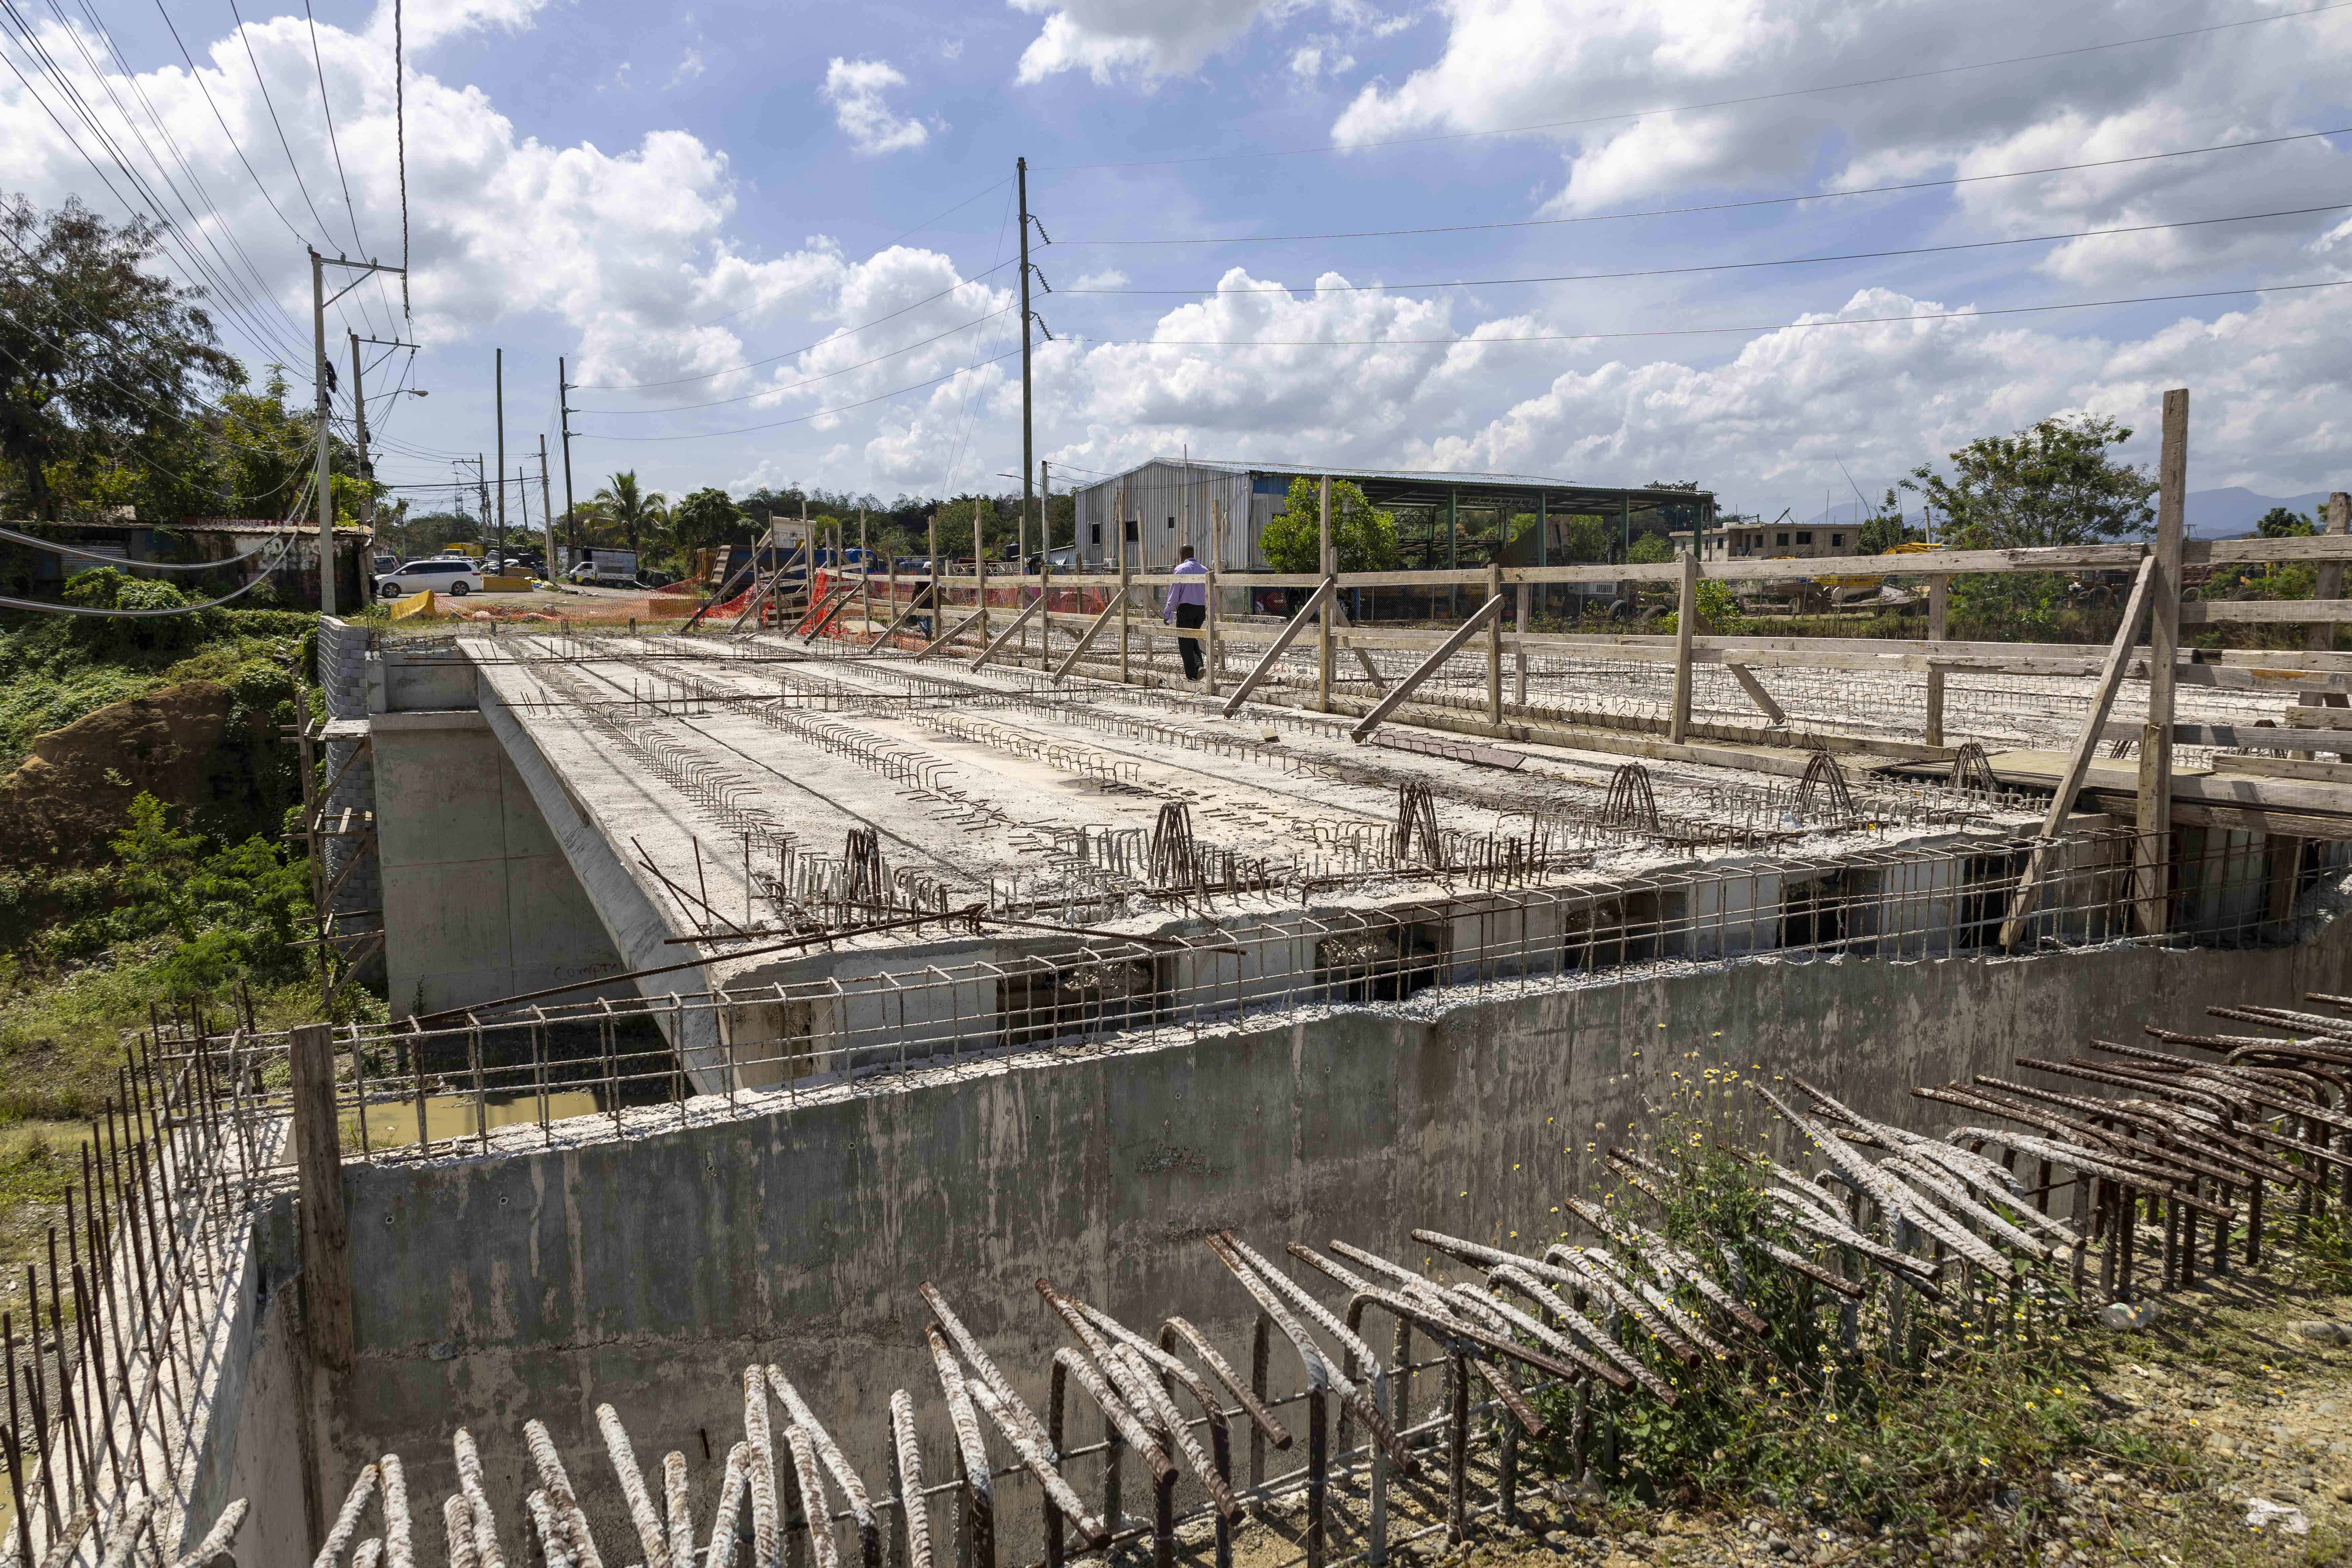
(611,568)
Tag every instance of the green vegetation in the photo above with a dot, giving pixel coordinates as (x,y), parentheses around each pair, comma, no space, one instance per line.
(1363,536)
(2052,482)
(54,669)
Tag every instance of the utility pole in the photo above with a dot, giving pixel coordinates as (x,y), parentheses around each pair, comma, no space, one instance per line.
(366,468)
(482,492)
(498,386)
(1028,426)
(562,400)
(320,374)
(546,507)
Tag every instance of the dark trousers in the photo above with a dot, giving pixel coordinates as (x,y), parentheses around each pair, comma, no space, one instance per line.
(1192,616)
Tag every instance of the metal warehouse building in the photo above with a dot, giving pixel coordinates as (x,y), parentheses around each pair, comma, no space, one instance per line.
(1443,521)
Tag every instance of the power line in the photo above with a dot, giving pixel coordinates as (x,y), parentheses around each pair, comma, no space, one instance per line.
(1716,103)
(271,105)
(400,146)
(197,76)
(804,418)
(844,332)
(1731,266)
(146,198)
(351,209)
(232,295)
(789,386)
(1715,206)
(802,288)
(1698,332)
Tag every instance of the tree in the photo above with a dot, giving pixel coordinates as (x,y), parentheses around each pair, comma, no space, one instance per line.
(1884,529)
(100,360)
(1363,536)
(636,512)
(706,518)
(2051,483)
(1649,550)
(2280,523)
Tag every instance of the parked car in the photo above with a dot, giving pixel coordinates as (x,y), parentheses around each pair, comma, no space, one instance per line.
(386,562)
(458,577)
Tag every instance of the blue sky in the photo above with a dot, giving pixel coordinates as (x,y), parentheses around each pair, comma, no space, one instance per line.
(666,203)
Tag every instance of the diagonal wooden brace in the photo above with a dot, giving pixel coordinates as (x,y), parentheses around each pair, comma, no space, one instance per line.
(1427,668)
(1291,631)
(2078,763)
(996,642)
(1087,638)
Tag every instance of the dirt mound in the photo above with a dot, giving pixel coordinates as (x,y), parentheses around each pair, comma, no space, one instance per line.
(67,800)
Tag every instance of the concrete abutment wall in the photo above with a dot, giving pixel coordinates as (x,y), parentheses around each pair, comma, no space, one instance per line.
(647,1271)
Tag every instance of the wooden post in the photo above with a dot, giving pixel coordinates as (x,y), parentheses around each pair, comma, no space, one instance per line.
(864,574)
(1939,610)
(979,573)
(1216,651)
(1495,648)
(1686,614)
(1045,616)
(1323,630)
(2328,584)
(939,607)
(2153,849)
(1125,572)
(1521,648)
(326,1229)
(2078,760)
(2319,636)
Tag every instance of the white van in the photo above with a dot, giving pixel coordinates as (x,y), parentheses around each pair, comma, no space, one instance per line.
(458,577)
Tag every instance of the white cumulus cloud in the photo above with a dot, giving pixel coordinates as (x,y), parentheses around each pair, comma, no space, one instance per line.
(854,88)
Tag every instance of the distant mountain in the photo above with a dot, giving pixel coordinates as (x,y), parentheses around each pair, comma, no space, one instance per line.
(2225,514)
(2212,514)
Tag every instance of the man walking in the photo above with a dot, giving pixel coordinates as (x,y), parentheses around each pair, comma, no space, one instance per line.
(1187,607)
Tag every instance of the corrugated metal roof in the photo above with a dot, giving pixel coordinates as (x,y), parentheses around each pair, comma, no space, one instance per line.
(1408,476)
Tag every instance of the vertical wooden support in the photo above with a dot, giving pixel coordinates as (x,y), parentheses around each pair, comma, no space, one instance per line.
(864,574)
(2153,849)
(2319,636)
(1495,648)
(980,572)
(1323,628)
(1939,626)
(1686,615)
(1214,652)
(1519,648)
(2328,584)
(1125,571)
(938,606)
(326,1228)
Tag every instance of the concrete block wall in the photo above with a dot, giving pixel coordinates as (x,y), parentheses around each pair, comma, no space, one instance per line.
(342,680)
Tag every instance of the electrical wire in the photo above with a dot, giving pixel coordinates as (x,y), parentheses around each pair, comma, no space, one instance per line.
(271,105)
(963,435)
(844,332)
(804,418)
(334,143)
(1967,315)
(1717,206)
(231,290)
(44,62)
(275,546)
(1712,103)
(197,76)
(400,146)
(1733,266)
(787,386)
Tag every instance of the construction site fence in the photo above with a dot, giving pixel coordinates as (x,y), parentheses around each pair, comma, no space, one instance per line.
(432,1085)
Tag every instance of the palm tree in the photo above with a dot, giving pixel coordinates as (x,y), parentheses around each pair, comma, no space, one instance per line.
(621,501)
